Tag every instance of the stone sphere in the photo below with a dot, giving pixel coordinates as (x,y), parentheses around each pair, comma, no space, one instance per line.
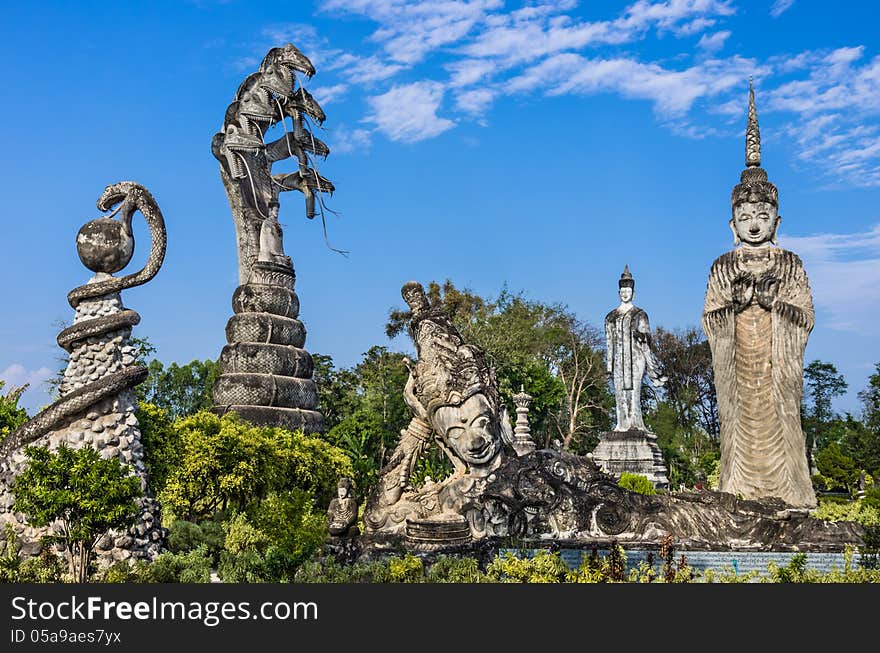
(104,246)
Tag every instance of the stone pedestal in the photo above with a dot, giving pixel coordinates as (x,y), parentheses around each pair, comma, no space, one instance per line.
(634,451)
(265,374)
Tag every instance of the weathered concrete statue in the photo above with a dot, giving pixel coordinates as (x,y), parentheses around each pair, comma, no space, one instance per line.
(454,397)
(630,447)
(266,375)
(628,355)
(757,317)
(342,513)
(97,403)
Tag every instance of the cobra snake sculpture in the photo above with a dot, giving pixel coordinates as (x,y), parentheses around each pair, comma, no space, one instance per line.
(105,246)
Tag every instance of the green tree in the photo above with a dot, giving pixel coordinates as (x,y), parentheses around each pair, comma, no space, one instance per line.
(337,390)
(163,444)
(81,493)
(11,414)
(837,467)
(376,412)
(870,398)
(822,382)
(227,464)
(689,452)
(180,390)
(686,361)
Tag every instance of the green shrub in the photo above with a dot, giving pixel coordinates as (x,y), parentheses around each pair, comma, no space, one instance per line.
(47,567)
(450,569)
(408,569)
(728,574)
(329,571)
(609,568)
(794,572)
(544,567)
(125,571)
(636,483)
(191,567)
(859,511)
(872,497)
(272,539)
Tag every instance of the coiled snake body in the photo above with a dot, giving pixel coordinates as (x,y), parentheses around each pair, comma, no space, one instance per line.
(130,197)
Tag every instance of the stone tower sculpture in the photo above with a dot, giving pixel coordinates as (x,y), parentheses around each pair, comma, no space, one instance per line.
(265,374)
(630,447)
(523,443)
(96,407)
(757,317)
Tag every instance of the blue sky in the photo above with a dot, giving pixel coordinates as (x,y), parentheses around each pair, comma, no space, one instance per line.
(537,145)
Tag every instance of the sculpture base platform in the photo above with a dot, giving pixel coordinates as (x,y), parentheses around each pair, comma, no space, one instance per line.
(292,419)
(634,451)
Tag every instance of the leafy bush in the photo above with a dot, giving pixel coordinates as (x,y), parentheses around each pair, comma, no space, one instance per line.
(125,571)
(329,571)
(794,572)
(270,541)
(872,497)
(543,567)
(727,574)
(163,444)
(408,569)
(636,483)
(228,464)
(191,567)
(80,495)
(185,536)
(450,569)
(858,511)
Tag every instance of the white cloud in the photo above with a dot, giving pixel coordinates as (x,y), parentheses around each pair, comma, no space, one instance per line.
(408,113)
(695,26)
(327,94)
(711,43)
(673,92)
(779,7)
(410,30)
(844,274)
(361,70)
(833,105)
(470,71)
(16,375)
(475,101)
(344,141)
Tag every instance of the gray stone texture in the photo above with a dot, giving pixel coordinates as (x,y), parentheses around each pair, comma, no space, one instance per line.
(757,316)
(97,402)
(265,374)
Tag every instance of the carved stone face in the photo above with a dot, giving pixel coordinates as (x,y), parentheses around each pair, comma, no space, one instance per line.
(754,223)
(470,430)
(626,294)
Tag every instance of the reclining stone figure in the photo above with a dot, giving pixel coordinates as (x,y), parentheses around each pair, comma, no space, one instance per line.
(491,491)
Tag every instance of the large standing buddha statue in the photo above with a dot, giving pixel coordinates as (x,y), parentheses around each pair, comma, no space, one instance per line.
(757,317)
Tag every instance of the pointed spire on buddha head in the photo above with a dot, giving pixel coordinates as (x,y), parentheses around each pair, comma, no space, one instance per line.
(754,201)
(754,185)
(626,285)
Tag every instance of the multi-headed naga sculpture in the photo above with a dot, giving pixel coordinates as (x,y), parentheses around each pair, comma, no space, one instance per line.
(266,375)
(492,491)
(97,403)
